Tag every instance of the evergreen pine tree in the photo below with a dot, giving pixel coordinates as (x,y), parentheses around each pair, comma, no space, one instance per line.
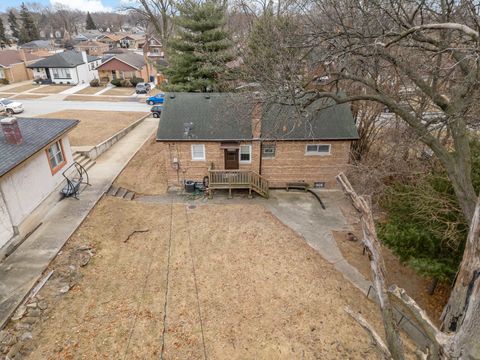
(13,24)
(200,50)
(90,24)
(3,38)
(28,31)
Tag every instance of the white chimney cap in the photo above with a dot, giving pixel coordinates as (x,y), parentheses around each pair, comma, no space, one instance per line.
(8,120)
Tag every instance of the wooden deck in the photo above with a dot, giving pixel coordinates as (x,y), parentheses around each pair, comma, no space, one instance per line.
(238,179)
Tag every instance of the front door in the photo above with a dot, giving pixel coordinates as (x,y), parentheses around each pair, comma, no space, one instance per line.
(231,159)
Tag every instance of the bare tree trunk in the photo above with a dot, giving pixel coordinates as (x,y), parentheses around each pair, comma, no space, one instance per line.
(466,288)
(377,265)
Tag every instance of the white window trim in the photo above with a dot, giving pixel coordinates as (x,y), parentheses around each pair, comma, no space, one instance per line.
(274,153)
(240,155)
(197,158)
(316,153)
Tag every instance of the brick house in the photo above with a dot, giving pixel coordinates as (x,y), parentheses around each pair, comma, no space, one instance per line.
(125,66)
(13,65)
(92,47)
(231,136)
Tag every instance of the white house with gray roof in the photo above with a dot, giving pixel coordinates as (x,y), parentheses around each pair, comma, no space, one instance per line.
(69,67)
(33,154)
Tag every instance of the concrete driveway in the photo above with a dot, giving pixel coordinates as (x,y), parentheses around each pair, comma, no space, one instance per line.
(43,106)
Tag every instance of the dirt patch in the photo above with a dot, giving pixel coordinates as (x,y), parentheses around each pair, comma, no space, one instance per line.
(100,98)
(397,273)
(52,89)
(22,88)
(95,126)
(119,91)
(28,96)
(145,173)
(6,95)
(90,90)
(234,290)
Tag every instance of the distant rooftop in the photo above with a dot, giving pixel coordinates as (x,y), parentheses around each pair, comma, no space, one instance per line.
(66,59)
(37,44)
(37,133)
(10,57)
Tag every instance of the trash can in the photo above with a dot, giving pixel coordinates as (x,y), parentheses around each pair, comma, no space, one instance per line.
(189,186)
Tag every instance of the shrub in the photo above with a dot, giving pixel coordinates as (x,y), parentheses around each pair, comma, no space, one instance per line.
(135,80)
(115,82)
(125,83)
(95,83)
(4,81)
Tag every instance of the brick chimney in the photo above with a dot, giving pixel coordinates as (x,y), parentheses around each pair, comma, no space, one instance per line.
(257,118)
(11,131)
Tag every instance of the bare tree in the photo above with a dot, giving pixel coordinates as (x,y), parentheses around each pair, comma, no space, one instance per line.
(460,344)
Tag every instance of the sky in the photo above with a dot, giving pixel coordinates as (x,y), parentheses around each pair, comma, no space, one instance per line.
(84,5)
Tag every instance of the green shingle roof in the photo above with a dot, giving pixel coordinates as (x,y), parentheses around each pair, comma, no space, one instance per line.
(228,116)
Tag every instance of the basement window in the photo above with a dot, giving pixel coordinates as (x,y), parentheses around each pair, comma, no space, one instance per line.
(317,149)
(56,159)
(198,152)
(268,151)
(245,154)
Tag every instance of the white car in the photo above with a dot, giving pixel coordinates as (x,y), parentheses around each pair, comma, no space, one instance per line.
(10,107)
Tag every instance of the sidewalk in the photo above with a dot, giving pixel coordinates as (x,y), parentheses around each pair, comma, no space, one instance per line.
(21,270)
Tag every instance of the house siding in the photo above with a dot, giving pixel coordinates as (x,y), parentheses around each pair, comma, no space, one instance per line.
(18,72)
(289,165)
(27,186)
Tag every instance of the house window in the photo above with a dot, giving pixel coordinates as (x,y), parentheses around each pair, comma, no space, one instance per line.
(268,151)
(317,149)
(198,152)
(60,73)
(56,159)
(245,153)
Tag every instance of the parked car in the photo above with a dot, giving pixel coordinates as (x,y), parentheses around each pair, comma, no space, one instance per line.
(156,110)
(10,107)
(143,88)
(156,99)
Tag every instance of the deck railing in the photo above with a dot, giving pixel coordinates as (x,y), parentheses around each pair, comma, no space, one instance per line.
(238,179)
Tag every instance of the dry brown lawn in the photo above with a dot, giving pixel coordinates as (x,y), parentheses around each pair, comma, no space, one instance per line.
(119,91)
(6,95)
(22,88)
(145,173)
(90,90)
(235,283)
(52,89)
(28,96)
(95,126)
(98,98)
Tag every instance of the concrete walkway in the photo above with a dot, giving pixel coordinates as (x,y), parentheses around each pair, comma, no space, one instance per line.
(21,270)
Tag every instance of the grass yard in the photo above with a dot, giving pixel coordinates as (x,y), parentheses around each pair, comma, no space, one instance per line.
(22,88)
(99,98)
(6,95)
(235,283)
(95,126)
(28,96)
(90,90)
(145,173)
(52,89)
(120,91)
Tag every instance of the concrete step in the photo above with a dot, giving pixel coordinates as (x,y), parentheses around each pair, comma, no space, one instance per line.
(121,192)
(83,161)
(129,195)
(112,191)
(77,156)
(89,164)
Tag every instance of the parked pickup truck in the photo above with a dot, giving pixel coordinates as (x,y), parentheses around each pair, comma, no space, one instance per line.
(10,107)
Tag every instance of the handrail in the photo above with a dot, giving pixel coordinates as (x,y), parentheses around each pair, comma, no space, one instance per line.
(239,179)
(73,184)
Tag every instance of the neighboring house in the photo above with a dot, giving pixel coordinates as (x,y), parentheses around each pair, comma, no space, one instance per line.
(87,35)
(112,40)
(131,41)
(33,155)
(92,47)
(154,49)
(68,67)
(199,132)
(125,66)
(40,48)
(13,65)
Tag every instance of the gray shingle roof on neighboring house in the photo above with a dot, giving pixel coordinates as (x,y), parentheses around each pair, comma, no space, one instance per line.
(128,57)
(228,116)
(66,59)
(37,133)
(37,44)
